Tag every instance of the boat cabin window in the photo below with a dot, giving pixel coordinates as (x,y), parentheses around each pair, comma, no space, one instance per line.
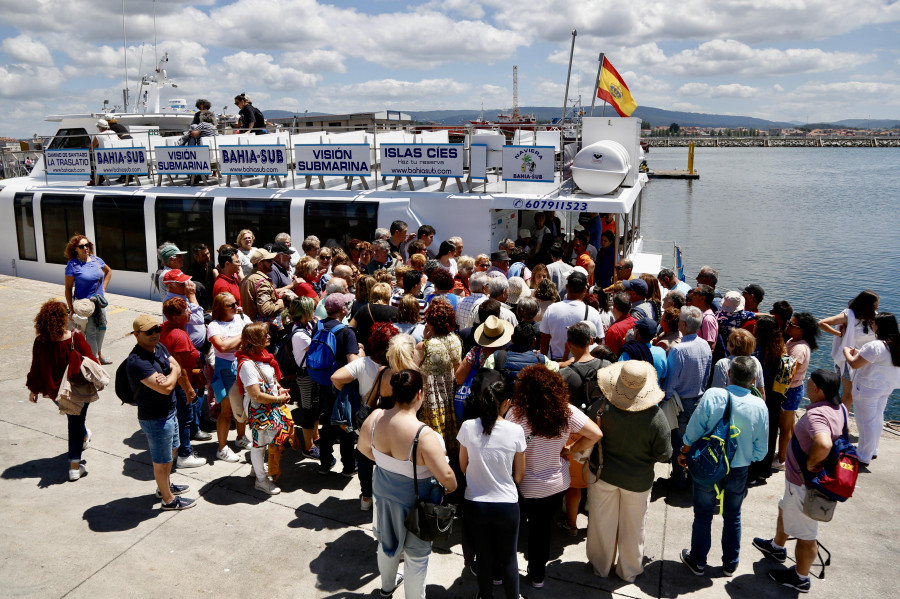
(70,138)
(63,217)
(185,222)
(24,214)
(336,223)
(120,237)
(266,218)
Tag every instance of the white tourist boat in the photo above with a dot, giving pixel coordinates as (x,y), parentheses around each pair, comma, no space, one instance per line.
(483,200)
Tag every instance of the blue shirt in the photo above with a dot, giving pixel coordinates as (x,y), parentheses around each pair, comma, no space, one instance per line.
(688,367)
(451,298)
(682,287)
(88,276)
(660,362)
(748,413)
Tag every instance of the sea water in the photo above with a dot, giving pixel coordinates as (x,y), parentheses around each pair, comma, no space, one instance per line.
(813,226)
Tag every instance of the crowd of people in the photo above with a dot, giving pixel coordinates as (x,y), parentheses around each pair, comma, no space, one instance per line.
(526,385)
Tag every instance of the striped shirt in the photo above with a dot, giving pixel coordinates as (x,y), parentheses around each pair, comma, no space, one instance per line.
(467,309)
(546,471)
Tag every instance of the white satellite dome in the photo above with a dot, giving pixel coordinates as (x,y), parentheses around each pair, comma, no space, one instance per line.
(601,167)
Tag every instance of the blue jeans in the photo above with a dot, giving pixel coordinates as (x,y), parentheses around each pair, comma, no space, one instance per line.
(188,419)
(690,404)
(162,437)
(77,433)
(705,505)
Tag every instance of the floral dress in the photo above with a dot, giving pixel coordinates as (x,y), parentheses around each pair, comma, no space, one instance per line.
(442,354)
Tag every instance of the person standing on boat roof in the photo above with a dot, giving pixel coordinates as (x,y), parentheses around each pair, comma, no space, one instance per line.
(115,127)
(250,119)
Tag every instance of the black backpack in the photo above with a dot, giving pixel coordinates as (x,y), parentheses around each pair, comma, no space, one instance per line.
(124,390)
(284,355)
(259,121)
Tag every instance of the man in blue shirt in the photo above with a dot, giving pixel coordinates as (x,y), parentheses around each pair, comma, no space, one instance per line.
(750,415)
(687,372)
(644,331)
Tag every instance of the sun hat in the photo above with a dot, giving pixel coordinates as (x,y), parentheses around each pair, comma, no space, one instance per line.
(524,233)
(518,289)
(493,332)
(144,322)
(175,276)
(169,250)
(631,385)
(733,302)
(499,256)
(103,124)
(83,307)
(259,254)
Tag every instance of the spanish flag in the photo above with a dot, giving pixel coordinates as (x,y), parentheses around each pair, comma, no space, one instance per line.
(612,89)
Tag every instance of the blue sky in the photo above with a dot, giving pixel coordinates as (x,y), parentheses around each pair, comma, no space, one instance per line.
(796,60)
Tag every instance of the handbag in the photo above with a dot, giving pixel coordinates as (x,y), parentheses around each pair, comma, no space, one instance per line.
(427,520)
(818,506)
(98,298)
(365,407)
(73,371)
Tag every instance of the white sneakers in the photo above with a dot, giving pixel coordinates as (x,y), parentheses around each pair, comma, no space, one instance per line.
(76,474)
(267,486)
(87,440)
(226,455)
(365,503)
(191,461)
(243,443)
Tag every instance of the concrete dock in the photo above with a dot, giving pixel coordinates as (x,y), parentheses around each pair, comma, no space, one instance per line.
(105,536)
(673,174)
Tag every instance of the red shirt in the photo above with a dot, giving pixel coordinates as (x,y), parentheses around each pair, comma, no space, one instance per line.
(304,289)
(176,340)
(49,361)
(615,335)
(226,284)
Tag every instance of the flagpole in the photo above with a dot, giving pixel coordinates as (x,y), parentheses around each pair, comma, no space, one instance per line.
(562,122)
(597,83)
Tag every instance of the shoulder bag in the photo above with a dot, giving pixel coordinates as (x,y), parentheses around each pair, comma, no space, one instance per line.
(366,407)
(428,521)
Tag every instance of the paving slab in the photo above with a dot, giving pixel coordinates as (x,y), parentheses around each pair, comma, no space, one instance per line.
(105,536)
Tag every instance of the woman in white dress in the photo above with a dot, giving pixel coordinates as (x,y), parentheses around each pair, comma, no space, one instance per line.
(852,327)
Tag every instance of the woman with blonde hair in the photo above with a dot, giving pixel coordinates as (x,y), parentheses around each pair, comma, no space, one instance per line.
(375,311)
(244,243)
(49,364)
(258,375)
(741,342)
(306,269)
(465,266)
(482,262)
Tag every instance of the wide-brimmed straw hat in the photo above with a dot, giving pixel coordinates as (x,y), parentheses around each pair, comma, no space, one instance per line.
(83,307)
(493,332)
(631,385)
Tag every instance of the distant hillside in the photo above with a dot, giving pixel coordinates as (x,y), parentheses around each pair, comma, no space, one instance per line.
(868,123)
(655,116)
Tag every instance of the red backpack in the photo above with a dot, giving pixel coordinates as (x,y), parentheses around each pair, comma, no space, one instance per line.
(837,479)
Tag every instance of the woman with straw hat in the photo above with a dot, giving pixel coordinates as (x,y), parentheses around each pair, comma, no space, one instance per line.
(635,437)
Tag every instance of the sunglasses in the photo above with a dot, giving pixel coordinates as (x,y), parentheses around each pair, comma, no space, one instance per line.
(154,331)
(324,257)
(83,246)
(620,268)
(232,306)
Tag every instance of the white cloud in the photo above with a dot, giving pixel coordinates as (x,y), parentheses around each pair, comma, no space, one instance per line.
(24,48)
(246,69)
(26,81)
(327,61)
(731,90)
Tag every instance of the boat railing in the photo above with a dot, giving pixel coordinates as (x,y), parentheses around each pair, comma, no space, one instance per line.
(374,138)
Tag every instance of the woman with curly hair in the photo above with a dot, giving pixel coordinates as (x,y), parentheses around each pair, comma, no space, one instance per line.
(87,277)
(442,351)
(545,293)
(374,377)
(307,269)
(540,405)
(802,331)
(49,363)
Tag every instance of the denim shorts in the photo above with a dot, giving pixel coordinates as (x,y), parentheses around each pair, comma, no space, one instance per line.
(792,398)
(162,436)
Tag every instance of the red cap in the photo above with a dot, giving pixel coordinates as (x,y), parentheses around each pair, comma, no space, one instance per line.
(175,276)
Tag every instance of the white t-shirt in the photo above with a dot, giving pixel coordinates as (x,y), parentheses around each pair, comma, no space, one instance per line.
(244,257)
(299,344)
(226,329)
(364,371)
(560,316)
(250,376)
(880,373)
(489,475)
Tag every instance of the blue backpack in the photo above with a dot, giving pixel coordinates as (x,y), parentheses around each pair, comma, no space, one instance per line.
(709,460)
(321,357)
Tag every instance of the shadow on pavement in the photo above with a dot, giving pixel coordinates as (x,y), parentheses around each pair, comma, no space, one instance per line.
(676,579)
(50,471)
(331,514)
(346,564)
(122,514)
(239,489)
(137,440)
(759,582)
(138,466)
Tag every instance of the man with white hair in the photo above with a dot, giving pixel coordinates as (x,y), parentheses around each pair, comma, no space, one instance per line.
(498,289)
(285,238)
(687,371)
(381,257)
(381,233)
(335,285)
(465,311)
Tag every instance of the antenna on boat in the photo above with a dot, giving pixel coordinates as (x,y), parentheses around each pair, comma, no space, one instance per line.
(568,78)
(515,92)
(125,52)
(155,53)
